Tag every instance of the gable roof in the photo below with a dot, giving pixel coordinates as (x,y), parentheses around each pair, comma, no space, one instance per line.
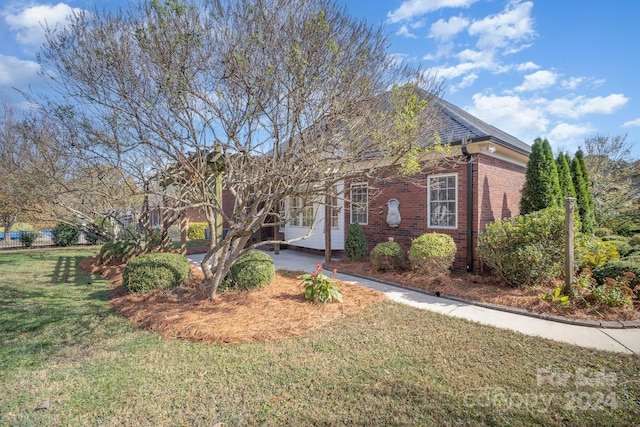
(461,126)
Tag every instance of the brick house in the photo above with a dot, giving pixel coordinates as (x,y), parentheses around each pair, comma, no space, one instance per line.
(480,183)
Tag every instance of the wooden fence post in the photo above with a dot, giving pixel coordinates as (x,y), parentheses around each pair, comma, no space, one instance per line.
(569,235)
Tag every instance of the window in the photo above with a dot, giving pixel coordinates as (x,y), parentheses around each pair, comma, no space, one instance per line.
(443,201)
(300,216)
(335,209)
(360,203)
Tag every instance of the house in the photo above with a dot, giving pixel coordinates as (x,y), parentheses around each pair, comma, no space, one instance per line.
(480,183)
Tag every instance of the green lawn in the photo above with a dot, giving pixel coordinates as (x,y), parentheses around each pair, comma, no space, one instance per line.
(387,365)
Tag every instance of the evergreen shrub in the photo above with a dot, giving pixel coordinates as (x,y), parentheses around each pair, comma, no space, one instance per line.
(155,271)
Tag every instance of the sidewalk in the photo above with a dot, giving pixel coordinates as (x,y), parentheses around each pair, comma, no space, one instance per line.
(617,340)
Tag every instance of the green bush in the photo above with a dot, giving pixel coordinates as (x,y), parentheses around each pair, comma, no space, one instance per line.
(611,293)
(355,245)
(526,250)
(155,271)
(388,256)
(253,270)
(634,240)
(602,231)
(595,252)
(197,230)
(620,242)
(616,270)
(118,252)
(432,253)
(27,238)
(65,234)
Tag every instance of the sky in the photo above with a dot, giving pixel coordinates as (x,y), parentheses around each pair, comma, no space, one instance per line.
(565,70)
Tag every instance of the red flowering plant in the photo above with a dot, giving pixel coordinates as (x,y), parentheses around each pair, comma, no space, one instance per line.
(318,287)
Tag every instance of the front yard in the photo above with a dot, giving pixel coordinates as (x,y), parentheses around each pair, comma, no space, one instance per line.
(386,364)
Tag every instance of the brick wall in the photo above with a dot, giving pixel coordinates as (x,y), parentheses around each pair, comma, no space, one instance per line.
(497,185)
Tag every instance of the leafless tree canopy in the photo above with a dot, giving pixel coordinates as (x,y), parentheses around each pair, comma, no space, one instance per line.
(278,98)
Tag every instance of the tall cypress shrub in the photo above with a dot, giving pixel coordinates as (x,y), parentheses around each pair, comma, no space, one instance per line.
(564,175)
(583,193)
(541,188)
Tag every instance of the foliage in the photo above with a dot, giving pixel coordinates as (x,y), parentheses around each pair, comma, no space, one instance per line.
(318,287)
(557,297)
(118,252)
(253,270)
(355,245)
(155,271)
(541,188)
(602,231)
(388,256)
(634,240)
(526,250)
(617,269)
(27,238)
(583,193)
(595,252)
(432,253)
(197,230)
(157,241)
(65,234)
(614,293)
(564,176)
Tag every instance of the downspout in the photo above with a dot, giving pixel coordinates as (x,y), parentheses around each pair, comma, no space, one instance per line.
(469,160)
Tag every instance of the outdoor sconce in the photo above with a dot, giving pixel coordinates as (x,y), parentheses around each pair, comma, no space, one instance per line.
(393,214)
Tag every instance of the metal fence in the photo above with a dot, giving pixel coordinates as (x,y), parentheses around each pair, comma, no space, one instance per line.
(14,239)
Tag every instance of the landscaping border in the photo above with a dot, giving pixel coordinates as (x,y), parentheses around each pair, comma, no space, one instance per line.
(604,324)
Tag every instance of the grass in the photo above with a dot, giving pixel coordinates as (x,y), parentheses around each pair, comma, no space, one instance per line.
(387,365)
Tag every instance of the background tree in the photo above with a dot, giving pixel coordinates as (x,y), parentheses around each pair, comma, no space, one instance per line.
(612,172)
(541,188)
(564,175)
(584,198)
(273,99)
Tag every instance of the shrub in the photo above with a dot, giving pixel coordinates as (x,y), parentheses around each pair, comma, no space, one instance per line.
(621,243)
(616,270)
(526,250)
(155,271)
(595,252)
(318,287)
(27,238)
(387,256)
(634,240)
(118,252)
(253,270)
(614,293)
(197,230)
(65,234)
(155,241)
(355,245)
(432,253)
(602,231)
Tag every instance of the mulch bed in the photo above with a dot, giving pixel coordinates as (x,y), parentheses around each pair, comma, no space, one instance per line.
(269,314)
(489,289)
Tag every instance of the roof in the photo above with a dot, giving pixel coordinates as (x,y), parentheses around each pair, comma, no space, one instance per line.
(461,126)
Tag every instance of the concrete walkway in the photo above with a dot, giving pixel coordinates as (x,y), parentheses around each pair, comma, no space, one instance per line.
(617,340)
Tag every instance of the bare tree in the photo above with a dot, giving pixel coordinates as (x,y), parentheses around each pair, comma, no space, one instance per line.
(268,99)
(612,172)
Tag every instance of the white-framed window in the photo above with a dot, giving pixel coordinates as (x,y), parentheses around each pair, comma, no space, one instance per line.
(299,215)
(335,207)
(360,203)
(443,201)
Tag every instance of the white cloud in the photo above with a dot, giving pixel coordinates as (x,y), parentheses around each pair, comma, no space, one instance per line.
(16,72)
(505,30)
(527,66)
(467,81)
(572,82)
(632,123)
(446,30)
(538,80)
(566,132)
(581,105)
(29,22)
(410,9)
(404,31)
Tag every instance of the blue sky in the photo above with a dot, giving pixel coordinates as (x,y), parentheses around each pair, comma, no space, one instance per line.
(561,69)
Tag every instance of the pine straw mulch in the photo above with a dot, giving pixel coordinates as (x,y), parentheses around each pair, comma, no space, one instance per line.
(486,288)
(269,314)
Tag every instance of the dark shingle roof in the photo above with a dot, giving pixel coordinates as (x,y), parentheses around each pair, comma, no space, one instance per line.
(460,125)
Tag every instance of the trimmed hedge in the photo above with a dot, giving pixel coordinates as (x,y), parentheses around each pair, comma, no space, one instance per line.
(253,270)
(65,234)
(388,256)
(119,252)
(155,271)
(355,245)
(197,230)
(432,253)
